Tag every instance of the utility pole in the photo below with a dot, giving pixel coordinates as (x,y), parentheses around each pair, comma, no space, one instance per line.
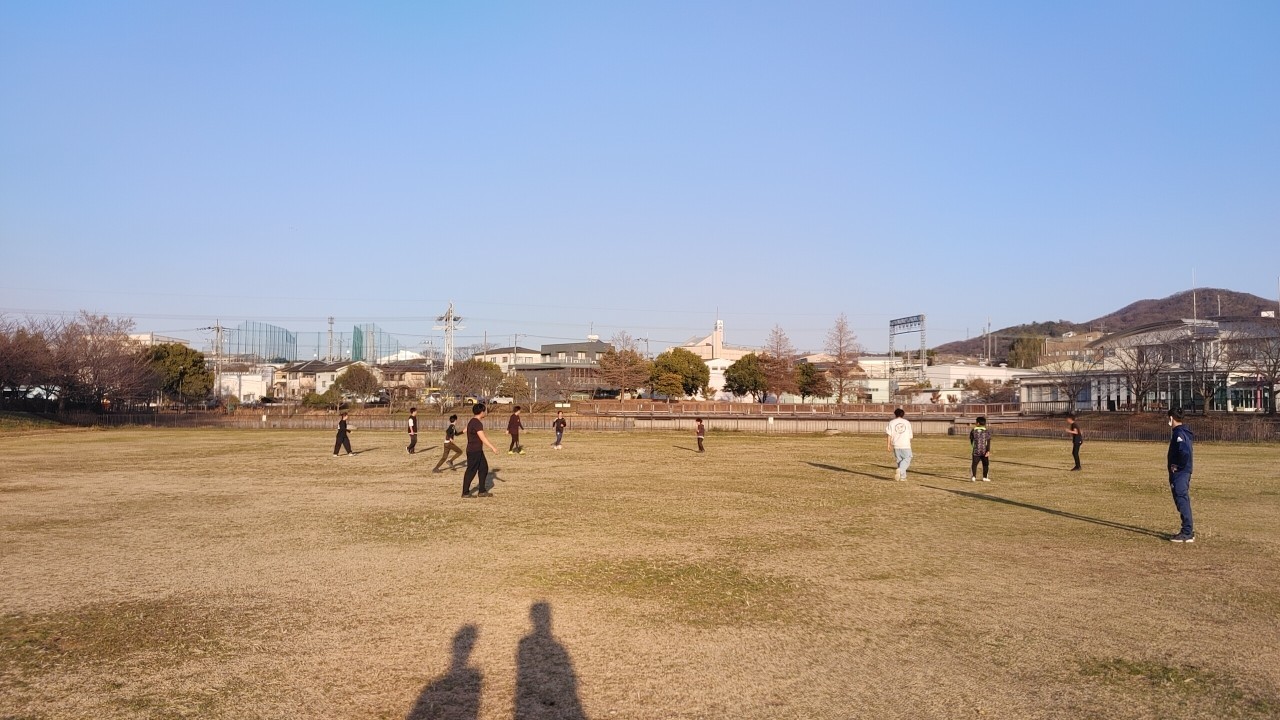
(450,320)
(217,357)
(329,357)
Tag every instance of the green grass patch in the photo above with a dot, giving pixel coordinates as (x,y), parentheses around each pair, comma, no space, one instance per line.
(1183,684)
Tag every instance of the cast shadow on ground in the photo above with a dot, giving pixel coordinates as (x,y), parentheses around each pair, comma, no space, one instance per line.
(681,447)
(546,684)
(456,695)
(417,451)
(834,468)
(1030,465)
(1051,511)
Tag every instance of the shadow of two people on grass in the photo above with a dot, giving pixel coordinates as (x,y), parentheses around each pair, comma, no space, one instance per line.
(546,685)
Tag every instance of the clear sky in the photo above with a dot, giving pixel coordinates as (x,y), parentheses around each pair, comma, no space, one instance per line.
(560,167)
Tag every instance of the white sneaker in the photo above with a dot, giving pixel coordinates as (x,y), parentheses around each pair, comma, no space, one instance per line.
(973,479)
(986,479)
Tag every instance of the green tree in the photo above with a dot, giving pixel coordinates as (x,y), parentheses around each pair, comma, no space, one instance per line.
(181,372)
(359,381)
(1025,352)
(669,384)
(745,377)
(694,373)
(812,382)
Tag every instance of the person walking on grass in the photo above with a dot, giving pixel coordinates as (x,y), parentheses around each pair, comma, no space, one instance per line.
(1077,438)
(343,440)
(477,464)
(413,429)
(1179,462)
(980,450)
(700,431)
(514,426)
(559,426)
(899,442)
(450,445)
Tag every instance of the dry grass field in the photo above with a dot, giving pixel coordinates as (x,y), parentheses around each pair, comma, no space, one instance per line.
(238,574)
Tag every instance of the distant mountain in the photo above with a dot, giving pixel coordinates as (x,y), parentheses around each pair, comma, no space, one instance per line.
(1208,303)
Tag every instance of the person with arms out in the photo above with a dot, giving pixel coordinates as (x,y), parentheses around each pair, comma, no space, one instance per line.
(559,425)
(343,440)
(980,450)
(700,431)
(899,442)
(450,445)
(1179,462)
(413,429)
(477,464)
(514,426)
(1077,438)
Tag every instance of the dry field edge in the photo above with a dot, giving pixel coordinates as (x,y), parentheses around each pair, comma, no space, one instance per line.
(163,573)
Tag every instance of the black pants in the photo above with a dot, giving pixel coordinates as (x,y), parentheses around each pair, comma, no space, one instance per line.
(700,449)
(413,441)
(973,467)
(515,442)
(342,441)
(477,464)
(1075,453)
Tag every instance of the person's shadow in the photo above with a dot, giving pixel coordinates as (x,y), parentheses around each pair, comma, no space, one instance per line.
(546,686)
(456,696)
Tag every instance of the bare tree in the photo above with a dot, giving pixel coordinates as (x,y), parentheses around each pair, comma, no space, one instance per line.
(473,377)
(1141,366)
(778,363)
(25,359)
(842,346)
(1209,358)
(1073,376)
(1260,354)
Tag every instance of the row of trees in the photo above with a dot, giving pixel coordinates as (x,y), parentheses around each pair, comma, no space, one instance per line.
(91,362)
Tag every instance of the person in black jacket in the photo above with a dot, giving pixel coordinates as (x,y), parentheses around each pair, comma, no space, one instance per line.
(343,440)
(1179,462)
(450,446)
(1076,439)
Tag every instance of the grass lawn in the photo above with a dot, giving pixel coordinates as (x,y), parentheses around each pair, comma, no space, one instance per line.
(250,574)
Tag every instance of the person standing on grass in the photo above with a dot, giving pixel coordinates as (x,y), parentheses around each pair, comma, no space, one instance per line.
(559,426)
(700,431)
(514,426)
(899,442)
(980,450)
(343,440)
(1077,438)
(477,464)
(413,429)
(450,445)
(1179,462)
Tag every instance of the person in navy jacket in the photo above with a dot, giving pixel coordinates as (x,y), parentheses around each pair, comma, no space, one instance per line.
(1180,461)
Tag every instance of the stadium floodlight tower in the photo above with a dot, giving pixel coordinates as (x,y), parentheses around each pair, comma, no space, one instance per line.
(908,369)
(449,322)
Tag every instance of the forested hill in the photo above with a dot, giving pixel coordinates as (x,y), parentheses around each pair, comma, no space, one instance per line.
(1209,302)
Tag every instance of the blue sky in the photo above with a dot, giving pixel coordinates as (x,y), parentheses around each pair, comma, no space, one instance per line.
(555,168)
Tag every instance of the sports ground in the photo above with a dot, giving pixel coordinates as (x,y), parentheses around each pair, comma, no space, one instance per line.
(249,574)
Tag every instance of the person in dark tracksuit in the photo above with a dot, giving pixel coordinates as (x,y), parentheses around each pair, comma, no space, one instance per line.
(476,462)
(450,445)
(413,429)
(980,450)
(514,426)
(559,426)
(1179,462)
(343,440)
(1077,438)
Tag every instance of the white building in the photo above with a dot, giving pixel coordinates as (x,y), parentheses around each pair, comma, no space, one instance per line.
(509,357)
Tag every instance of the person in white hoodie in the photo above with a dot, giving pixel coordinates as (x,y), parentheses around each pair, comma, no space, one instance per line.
(899,442)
